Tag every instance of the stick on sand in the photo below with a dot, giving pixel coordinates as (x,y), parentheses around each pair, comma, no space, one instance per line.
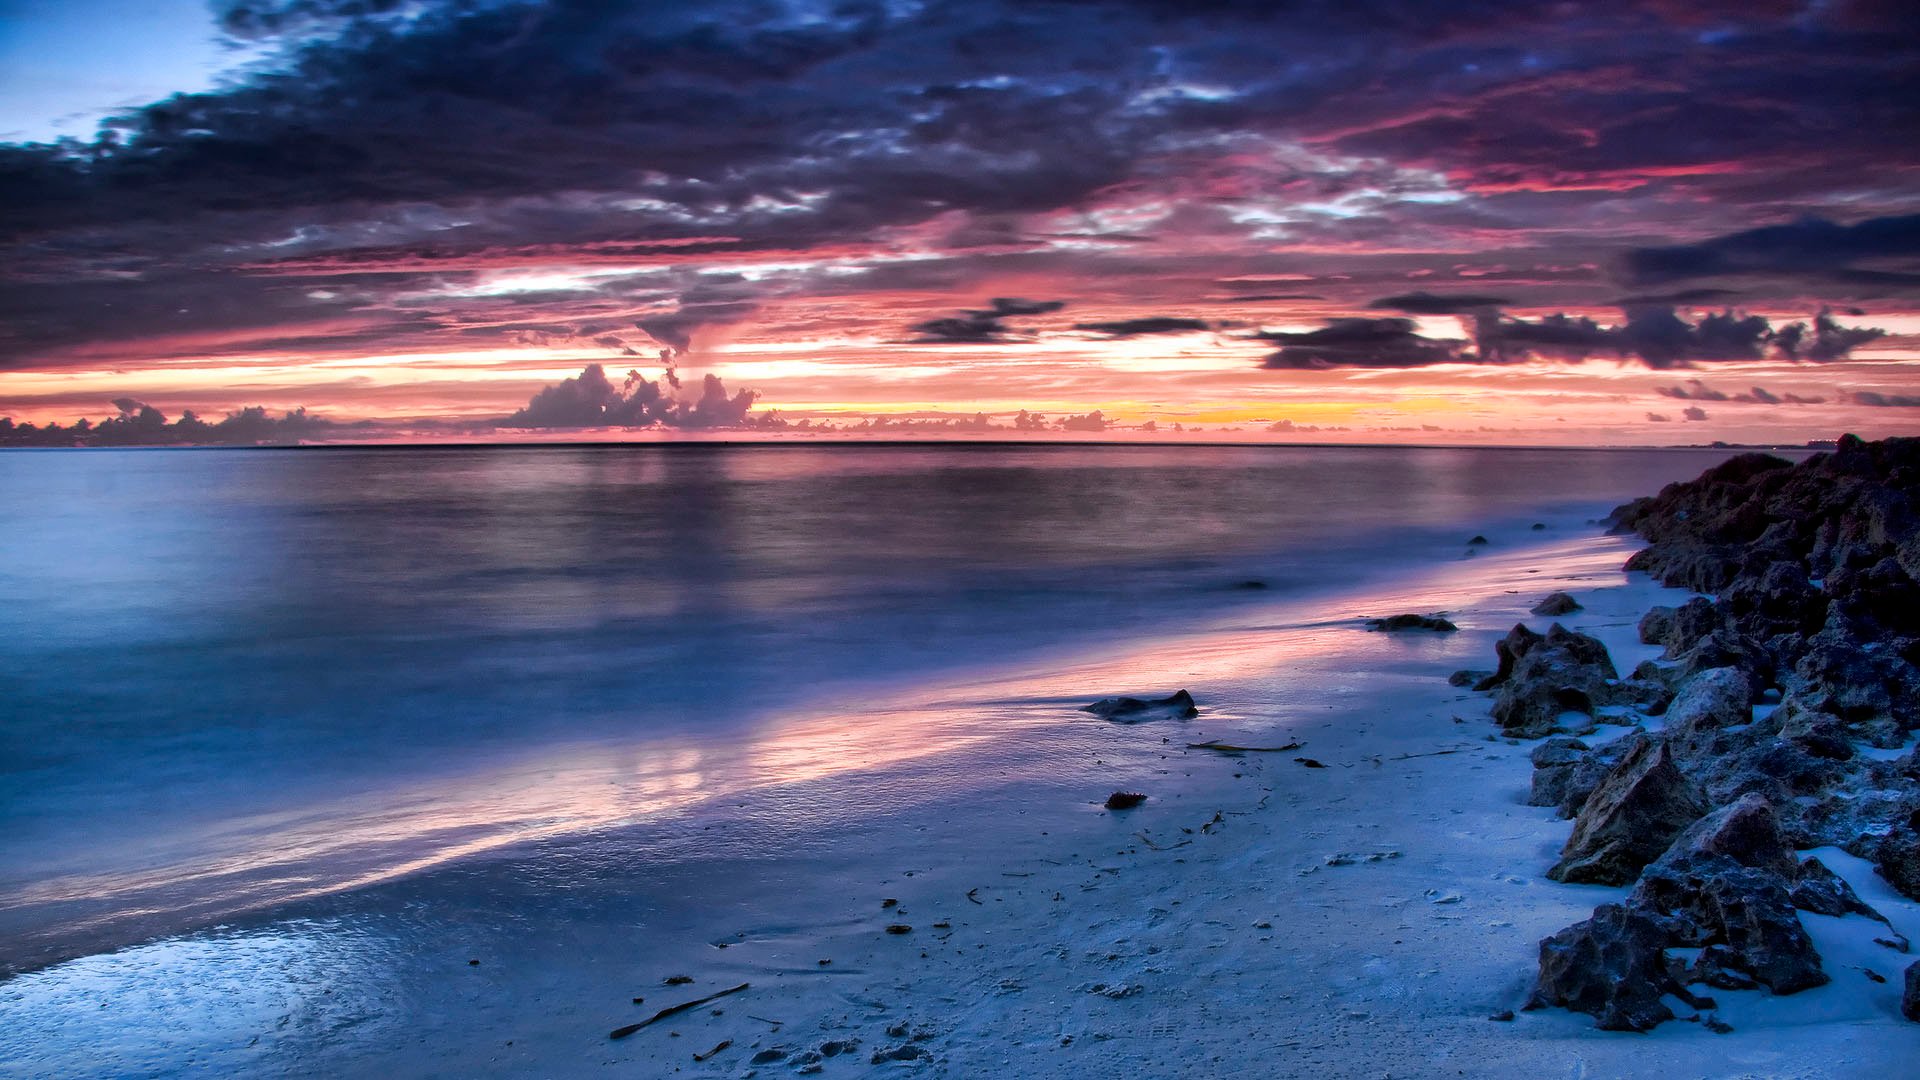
(621,1033)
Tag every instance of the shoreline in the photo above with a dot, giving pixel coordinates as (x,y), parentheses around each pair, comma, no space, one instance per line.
(1277,935)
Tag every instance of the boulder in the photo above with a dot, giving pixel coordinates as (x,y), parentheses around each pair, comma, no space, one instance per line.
(1130,710)
(1656,626)
(1823,892)
(1710,702)
(1508,651)
(1612,966)
(1395,623)
(1714,901)
(1910,1000)
(1554,762)
(1562,672)
(1556,604)
(1630,819)
(1468,677)
(1746,833)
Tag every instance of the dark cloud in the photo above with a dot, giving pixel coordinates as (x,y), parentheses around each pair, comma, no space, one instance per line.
(1878,251)
(1655,336)
(1093,421)
(140,424)
(1152,324)
(983,326)
(407,147)
(1695,390)
(1659,418)
(590,399)
(1885,401)
(1424,303)
(1694,412)
(1362,343)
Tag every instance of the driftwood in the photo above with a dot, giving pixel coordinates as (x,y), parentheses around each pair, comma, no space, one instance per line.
(1230,748)
(724,1043)
(673,1010)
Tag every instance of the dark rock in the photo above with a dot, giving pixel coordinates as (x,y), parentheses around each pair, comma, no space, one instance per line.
(1125,800)
(1503,1016)
(1656,626)
(1585,775)
(1746,832)
(903,1052)
(1394,623)
(1745,911)
(1129,710)
(1539,526)
(1309,763)
(1612,967)
(1897,859)
(1557,604)
(1638,809)
(1554,762)
(1562,672)
(1910,1001)
(1477,541)
(1468,677)
(1823,892)
(1518,642)
(1706,704)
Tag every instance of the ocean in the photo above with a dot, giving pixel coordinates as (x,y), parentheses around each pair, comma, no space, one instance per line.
(230,678)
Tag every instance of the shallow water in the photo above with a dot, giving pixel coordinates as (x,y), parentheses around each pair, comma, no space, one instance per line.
(364,661)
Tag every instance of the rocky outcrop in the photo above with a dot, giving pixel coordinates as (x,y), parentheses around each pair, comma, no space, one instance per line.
(1810,583)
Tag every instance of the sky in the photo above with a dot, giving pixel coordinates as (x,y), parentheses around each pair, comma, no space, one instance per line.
(1648,221)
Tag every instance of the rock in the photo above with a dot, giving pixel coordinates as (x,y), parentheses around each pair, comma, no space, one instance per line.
(1554,762)
(1897,859)
(1711,701)
(1518,642)
(1394,623)
(903,1052)
(1468,677)
(1746,912)
(1539,526)
(1125,800)
(1637,810)
(1612,966)
(1746,833)
(1478,541)
(1586,773)
(1656,625)
(1129,710)
(1823,892)
(1557,604)
(1562,672)
(1910,1001)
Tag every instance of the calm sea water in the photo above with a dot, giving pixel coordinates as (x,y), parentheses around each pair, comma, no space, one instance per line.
(201,642)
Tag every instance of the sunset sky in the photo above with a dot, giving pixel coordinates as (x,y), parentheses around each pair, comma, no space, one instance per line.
(1471,222)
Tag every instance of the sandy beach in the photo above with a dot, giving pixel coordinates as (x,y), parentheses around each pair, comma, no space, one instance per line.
(1255,916)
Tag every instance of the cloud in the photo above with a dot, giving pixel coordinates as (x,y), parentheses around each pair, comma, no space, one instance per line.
(1358,342)
(1656,336)
(1424,303)
(1811,248)
(1093,421)
(140,424)
(1694,412)
(1659,418)
(984,326)
(1151,324)
(590,399)
(1878,400)
(1695,390)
